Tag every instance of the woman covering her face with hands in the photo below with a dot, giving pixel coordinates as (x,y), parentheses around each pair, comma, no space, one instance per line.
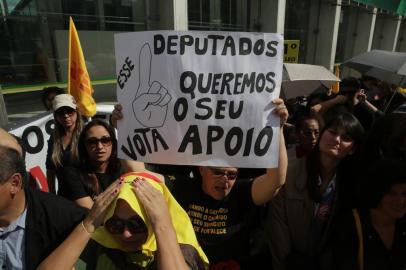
(144,228)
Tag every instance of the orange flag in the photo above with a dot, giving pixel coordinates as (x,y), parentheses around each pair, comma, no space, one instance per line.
(79,84)
(335,88)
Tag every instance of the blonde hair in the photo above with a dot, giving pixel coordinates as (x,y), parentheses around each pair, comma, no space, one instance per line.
(59,132)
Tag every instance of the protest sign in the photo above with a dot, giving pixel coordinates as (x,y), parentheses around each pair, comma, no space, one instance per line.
(199,98)
(35,133)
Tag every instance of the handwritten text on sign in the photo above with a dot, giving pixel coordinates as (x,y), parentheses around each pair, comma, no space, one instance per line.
(199,98)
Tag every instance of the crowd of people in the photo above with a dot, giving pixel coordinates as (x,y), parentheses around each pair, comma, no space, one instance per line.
(337,199)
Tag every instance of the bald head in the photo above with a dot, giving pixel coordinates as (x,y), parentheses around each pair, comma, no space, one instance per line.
(7,140)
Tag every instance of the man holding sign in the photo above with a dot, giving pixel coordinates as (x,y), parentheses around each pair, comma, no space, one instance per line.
(219,205)
(208,99)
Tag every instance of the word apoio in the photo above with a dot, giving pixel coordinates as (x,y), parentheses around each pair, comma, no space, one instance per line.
(235,140)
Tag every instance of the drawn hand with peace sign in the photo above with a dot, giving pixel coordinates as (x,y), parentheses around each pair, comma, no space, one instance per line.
(150,105)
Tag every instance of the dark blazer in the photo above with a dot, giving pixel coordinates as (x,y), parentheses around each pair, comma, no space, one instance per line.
(376,255)
(50,219)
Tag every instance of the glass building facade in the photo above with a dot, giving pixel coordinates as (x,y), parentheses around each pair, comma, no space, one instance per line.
(31,31)
(34,33)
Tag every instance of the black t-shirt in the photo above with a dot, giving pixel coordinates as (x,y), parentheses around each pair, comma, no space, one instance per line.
(221,226)
(72,185)
(65,155)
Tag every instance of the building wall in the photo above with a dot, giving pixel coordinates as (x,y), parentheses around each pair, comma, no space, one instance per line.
(329,31)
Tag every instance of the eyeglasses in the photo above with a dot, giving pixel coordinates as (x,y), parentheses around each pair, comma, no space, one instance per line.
(94,142)
(116,225)
(65,110)
(220,173)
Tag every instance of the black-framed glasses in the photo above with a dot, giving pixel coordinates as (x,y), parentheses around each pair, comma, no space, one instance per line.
(65,110)
(94,142)
(116,225)
(228,174)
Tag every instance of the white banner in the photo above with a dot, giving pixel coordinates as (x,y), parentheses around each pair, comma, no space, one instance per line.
(35,135)
(199,98)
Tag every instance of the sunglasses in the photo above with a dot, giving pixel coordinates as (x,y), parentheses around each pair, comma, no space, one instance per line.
(94,142)
(220,173)
(116,225)
(65,111)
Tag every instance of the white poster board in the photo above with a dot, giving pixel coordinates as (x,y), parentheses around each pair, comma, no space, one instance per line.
(199,98)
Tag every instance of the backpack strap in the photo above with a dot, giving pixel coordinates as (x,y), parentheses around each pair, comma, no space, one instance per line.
(360,239)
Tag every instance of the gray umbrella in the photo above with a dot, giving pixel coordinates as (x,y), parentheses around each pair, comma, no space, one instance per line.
(384,65)
(303,79)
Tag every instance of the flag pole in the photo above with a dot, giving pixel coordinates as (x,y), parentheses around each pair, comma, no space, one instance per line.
(69,51)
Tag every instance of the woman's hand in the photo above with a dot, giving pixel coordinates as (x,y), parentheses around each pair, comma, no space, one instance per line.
(359,96)
(170,256)
(280,110)
(96,215)
(153,202)
(116,115)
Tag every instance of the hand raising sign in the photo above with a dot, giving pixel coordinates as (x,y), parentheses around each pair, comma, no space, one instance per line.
(151,101)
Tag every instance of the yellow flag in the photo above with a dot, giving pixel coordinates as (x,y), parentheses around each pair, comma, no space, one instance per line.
(79,84)
(335,88)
